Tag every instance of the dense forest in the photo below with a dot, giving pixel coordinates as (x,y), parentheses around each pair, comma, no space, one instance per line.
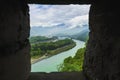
(73,63)
(50,48)
(37,39)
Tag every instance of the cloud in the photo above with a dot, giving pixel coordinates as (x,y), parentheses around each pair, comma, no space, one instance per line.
(52,15)
(78,21)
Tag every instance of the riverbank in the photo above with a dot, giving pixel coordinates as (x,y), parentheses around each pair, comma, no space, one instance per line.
(34,60)
(53,52)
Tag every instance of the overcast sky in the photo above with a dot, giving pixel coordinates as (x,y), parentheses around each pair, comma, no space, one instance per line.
(53,15)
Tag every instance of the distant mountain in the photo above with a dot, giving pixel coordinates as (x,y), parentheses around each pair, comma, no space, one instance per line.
(80,33)
(36,31)
(73,31)
(61,30)
(46,31)
(83,35)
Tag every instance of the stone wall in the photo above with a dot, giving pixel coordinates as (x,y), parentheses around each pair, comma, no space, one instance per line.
(14,43)
(102,58)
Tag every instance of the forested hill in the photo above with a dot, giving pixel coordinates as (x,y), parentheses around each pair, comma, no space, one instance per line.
(83,35)
(37,39)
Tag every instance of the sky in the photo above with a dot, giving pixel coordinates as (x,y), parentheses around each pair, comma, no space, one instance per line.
(53,15)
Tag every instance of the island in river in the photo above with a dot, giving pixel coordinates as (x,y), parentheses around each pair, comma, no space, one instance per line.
(42,50)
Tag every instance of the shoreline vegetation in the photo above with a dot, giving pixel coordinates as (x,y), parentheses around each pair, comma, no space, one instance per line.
(73,63)
(53,52)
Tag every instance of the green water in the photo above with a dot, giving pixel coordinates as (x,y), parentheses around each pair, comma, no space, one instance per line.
(51,64)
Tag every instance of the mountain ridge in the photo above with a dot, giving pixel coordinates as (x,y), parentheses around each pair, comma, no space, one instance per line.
(56,30)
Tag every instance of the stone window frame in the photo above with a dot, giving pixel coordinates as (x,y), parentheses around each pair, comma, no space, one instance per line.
(57,75)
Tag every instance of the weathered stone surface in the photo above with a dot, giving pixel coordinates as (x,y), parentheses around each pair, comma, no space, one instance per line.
(102,58)
(14,43)
(56,76)
(17,66)
(59,1)
(14,23)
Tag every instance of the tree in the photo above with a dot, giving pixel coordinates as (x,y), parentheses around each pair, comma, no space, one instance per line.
(73,64)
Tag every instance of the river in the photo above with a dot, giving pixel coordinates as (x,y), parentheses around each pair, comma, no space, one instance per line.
(51,64)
